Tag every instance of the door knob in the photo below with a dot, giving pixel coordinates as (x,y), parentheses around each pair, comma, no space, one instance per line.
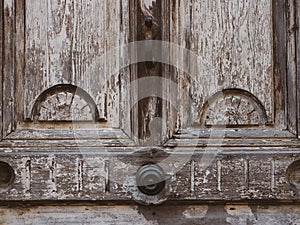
(150,179)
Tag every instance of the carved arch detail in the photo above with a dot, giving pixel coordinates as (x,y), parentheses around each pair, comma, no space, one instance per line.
(64,102)
(233,107)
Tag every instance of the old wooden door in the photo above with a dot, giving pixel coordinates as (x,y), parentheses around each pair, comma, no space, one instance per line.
(149,101)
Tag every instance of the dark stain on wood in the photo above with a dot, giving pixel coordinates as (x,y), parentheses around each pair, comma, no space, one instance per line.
(150,108)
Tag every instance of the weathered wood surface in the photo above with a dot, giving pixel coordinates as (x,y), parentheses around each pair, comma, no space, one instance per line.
(233,41)
(67,103)
(8,77)
(65,43)
(149,108)
(1,66)
(233,107)
(297,5)
(98,175)
(19,60)
(116,138)
(280,66)
(160,215)
(64,134)
(60,49)
(291,66)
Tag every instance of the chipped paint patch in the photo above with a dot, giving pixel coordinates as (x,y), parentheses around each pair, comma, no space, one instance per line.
(195,212)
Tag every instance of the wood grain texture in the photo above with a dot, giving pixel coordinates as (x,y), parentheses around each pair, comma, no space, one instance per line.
(19,59)
(65,43)
(1,65)
(8,102)
(280,66)
(149,108)
(297,5)
(82,176)
(233,41)
(226,214)
(291,66)
(180,33)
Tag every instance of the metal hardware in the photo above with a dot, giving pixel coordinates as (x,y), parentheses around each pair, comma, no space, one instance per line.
(150,179)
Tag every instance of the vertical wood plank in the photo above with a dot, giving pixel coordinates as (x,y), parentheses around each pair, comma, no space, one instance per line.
(19,58)
(279,53)
(1,63)
(180,34)
(149,108)
(125,120)
(37,52)
(8,67)
(297,7)
(133,70)
(291,67)
(112,36)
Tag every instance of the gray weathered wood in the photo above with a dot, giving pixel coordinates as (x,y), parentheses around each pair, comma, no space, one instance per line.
(245,133)
(63,134)
(227,214)
(66,46)
(19,60)
(233,40)
(280,67)
(1,66)
(60,42)
(230,177)
(291,66)
(149,108)
(297,6)
(8,102)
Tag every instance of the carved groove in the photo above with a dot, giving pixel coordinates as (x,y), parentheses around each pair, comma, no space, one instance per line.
(65,103)
(233,107)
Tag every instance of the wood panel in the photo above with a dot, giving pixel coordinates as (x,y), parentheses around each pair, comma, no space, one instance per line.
(297,5)
(19,59)
(8,103)
(1,64)
(149,108)
(66,43)
(88,175)
(291,66)
(233,41)
(280,66)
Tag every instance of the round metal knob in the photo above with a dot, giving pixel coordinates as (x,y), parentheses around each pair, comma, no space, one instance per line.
(150,179)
